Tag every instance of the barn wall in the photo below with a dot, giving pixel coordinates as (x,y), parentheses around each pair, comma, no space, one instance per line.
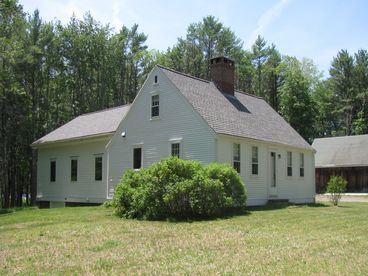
(357,178)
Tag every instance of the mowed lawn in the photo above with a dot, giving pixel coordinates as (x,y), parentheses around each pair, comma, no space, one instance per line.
(319,239)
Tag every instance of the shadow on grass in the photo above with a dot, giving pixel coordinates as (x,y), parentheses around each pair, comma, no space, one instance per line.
(16,209)
(283,205)
(228,214)
(231,213)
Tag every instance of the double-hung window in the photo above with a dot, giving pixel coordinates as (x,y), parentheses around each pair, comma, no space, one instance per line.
(301,162)
(175,149)
(74,169)
(236,157)
(137,158)
(98,168)
(52,170)
(289,163)
(155,106)
(255,160)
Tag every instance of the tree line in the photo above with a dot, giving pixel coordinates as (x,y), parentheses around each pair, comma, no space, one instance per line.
(51,73)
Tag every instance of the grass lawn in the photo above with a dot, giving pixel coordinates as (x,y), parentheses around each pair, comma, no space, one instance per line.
(317,239)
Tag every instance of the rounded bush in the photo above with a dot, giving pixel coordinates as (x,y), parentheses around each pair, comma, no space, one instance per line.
(176,188)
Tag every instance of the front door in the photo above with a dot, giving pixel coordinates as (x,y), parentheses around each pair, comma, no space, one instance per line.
(272,176)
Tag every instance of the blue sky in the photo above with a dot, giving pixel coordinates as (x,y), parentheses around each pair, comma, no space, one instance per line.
(316,29)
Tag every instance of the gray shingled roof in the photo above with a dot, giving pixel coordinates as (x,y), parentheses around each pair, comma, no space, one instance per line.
(345,151)
(242,115)
(87,125)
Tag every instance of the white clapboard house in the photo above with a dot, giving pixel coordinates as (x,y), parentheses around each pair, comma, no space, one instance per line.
(177,114)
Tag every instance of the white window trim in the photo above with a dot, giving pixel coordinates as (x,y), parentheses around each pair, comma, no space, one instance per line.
(251,161)
(300,164)
(52,159)
(155,117)
(239,161)
(136,146)
(292,171)
(94,159)
(70,175)
(180,147)
(158,81)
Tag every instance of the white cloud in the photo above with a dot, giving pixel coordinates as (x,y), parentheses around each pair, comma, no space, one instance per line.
(72,8)
(265,20)
(116,21)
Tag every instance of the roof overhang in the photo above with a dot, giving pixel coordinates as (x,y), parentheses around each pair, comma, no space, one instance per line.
(74,140)
(267,142)
(332,166)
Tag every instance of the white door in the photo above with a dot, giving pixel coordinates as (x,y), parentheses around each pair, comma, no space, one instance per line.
(272,186)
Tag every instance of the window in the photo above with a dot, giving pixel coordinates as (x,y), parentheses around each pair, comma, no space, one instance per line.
(255,160)
(289,164)
(98,168)
(301,169)
(155,106)
(137,158)
(175,150)
(74,170)
(236,157)
(156,79)
(52,171)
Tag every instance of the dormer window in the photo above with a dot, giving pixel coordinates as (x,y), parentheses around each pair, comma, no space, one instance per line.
(155,106)
(156,79)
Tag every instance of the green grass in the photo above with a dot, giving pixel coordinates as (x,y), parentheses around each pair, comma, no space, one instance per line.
(318,239)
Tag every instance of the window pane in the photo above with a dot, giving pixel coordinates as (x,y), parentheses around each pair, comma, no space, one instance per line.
(254,168)
(289,171)
(255,154)
(155,106)
(254,160)
(236,157)
(52,171)
(289,159)
(175,149)
(236,166)
(98,168)
(137,158)
(301,164)
(236,152)
(74,170)
(155,111)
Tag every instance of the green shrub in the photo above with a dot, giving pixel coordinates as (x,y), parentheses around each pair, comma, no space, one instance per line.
(335,186)
(178,189)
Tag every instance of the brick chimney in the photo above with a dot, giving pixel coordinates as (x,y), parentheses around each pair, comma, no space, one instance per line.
(222,74)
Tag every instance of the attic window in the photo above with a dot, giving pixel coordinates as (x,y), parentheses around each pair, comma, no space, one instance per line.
(156,79)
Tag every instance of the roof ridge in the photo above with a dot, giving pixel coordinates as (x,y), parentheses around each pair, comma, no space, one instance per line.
(340,137)
(183,74)
(103,110)
(207,81)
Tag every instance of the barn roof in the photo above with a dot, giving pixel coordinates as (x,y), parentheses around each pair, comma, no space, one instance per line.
(87,125)
(344,151)
(242,115)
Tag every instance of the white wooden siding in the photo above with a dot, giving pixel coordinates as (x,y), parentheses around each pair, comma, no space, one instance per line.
(177,122)
(85,189)
(295,188)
